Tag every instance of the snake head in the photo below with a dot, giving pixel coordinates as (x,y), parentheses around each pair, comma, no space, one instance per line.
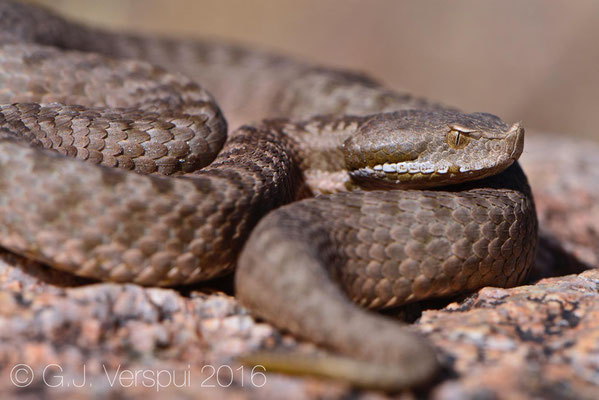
(420,148)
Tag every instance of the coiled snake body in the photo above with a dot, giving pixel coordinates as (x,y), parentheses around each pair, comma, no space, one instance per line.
(87,94)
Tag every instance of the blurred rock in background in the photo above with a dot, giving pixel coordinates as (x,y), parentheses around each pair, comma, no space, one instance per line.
(534,61)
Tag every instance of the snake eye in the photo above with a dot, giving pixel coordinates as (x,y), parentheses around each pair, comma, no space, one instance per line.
(457,139)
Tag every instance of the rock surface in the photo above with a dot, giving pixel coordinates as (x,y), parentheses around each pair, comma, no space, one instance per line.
(564,175)
(83,339)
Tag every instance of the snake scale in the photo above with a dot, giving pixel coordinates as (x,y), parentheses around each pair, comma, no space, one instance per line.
(379,197)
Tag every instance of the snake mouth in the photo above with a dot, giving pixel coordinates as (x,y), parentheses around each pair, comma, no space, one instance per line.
(426,174)
(419,175)
(410,174)
(406,167)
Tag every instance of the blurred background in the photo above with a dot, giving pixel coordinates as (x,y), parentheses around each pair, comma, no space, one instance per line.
(535,61)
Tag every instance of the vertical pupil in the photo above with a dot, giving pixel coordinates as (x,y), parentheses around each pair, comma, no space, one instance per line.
(457,139)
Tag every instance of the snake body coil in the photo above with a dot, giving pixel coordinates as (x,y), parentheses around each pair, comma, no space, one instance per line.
(87,94)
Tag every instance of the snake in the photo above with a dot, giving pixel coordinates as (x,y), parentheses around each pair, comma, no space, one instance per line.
(333,197)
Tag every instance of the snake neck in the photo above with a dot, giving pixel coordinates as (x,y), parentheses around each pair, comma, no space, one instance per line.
(318,146)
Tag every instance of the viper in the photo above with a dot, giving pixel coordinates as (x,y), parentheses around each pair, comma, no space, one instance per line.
(337,194)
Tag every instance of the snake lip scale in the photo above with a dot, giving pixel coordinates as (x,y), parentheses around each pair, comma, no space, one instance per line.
(115,164)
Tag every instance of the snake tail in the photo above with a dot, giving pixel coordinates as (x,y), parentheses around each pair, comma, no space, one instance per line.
(306,301)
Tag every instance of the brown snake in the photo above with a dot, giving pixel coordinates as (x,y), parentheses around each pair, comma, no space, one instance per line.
(69,88)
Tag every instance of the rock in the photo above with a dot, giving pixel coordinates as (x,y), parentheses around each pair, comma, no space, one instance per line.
(106,336)
(564,176)
(535,341)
